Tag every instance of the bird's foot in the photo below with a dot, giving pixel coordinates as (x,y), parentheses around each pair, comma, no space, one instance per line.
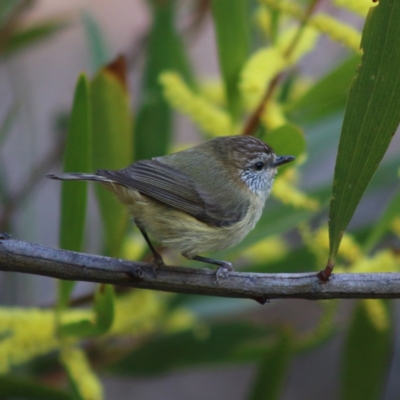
(223,271)
(157,263)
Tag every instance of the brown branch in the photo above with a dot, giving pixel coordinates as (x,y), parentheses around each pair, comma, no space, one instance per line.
(254,119)
(18,256)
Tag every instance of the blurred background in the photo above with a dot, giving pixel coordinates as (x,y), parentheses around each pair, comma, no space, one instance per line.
(45,45)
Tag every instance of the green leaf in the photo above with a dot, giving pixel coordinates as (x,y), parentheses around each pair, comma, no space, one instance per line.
(12,387)
(326,96)
(96,42)
(104,307)
(165,51)
(112,149)
(273,368)
(383,222)
(219,343)
(23,38)
(372,116)
(366,358)
(231,20)
(287,140)
(104,316)
(77,158)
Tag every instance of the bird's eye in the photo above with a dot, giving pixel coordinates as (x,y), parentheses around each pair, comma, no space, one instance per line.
(258,166)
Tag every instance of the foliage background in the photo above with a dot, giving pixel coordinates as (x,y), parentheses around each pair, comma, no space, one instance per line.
(180,346)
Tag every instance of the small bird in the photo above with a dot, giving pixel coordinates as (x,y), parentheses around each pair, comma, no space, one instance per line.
(201,199)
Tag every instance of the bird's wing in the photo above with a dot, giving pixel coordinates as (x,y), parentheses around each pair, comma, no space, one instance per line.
(169,186)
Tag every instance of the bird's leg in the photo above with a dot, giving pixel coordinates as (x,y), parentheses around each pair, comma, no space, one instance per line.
(158,261)
(224,266)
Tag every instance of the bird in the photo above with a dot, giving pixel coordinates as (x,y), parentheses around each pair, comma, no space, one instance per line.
(205,198)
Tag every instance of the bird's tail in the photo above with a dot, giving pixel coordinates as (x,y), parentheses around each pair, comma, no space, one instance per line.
(79,177)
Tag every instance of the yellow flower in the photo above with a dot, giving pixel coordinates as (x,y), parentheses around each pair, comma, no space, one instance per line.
(361,7)
(305,44)
(266,63)
(209,118)
(273,116)
(137,313)
(263,19)
(258,71)
(26,333)
(287,193)
(133,246)
(349,248)
(338,31)
(85,381)
(318,243)
(179,320)
(395,226)
(269,249)
(377,313)
(382,261)
(214,91)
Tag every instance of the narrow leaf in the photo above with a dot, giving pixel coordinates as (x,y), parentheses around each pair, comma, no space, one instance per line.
(103,319)
(287,140)
(219,343)
(231,20)
(96,42)
(31,35)
(104,307)
(77,158)
(165,51)
(372,116)
(366,358)
(268,383)
(112,149)
(326,96)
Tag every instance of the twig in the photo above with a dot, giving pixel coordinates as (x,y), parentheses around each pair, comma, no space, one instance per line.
(254,119)
(18,256)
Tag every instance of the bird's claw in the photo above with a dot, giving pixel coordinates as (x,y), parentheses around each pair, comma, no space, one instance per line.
(157,263)
(223,271)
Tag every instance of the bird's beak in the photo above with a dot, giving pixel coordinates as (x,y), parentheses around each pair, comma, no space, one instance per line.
(280,160)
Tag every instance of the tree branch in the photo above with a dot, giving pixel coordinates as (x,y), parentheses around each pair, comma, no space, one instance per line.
(24,257)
